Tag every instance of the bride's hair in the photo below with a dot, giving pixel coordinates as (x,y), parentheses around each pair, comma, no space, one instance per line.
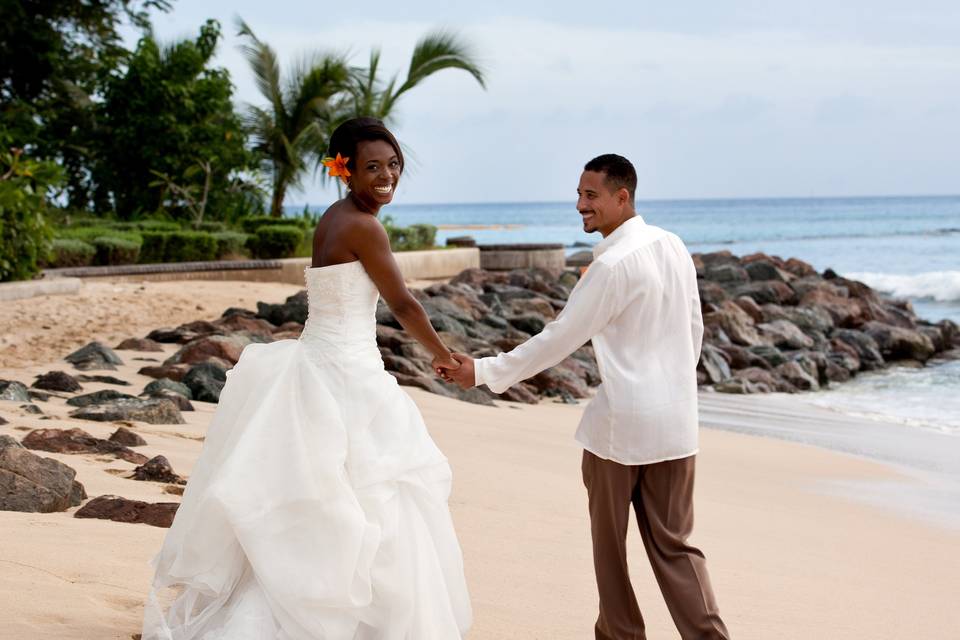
(345,138)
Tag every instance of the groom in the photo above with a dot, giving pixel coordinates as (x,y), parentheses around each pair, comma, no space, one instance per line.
(638,303)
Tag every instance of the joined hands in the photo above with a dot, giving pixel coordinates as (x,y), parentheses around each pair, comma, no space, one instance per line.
(460,370)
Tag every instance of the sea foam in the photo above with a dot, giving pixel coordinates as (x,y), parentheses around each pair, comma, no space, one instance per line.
(941,286)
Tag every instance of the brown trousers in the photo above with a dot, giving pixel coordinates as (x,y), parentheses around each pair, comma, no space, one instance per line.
(662,496)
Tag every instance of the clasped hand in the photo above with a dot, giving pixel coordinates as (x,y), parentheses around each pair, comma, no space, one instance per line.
(458,368)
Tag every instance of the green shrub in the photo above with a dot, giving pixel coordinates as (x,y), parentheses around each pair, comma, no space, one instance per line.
(231,244)
(212,227)
(272,242)
(89,234)
(25,233)
(412,238)
(154,247)
(67,252)
(190,246)
(157,225)
(250,225)
(113,250)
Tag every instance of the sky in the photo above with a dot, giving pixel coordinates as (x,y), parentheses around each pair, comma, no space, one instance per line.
(733,99)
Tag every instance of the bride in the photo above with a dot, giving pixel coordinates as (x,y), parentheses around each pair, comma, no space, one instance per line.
(318,508)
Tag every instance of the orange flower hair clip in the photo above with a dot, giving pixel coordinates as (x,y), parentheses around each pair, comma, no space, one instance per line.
(337,167)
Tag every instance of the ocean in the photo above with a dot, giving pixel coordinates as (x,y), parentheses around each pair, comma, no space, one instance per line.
(907,247)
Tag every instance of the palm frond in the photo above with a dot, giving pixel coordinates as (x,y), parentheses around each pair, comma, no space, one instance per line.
(437,51)
(266,69)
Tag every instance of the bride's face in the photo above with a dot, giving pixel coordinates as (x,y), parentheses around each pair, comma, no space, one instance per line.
(377,173)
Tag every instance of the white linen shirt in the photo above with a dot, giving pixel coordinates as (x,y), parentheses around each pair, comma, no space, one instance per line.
(638,303)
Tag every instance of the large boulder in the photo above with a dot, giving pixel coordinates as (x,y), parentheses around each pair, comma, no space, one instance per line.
(94,356)
(140,344)
(785,334)
(107,507)
(161,386)
(714,363)
(32,483)
(768,291)
(83,377)
(727,274)
(866,347)
(14,391)
(174,372)
(205,381)
(294,309)
(761,270)
(227,348)
(248,324)
(72,441)
(794,373)
(896,343)
(151,411)
(845,312)
(808,319)
(184,333)
(127,438)
(735,323)
(57,381)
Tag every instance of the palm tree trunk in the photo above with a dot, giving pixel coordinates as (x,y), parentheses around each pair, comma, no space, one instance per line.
(276,203)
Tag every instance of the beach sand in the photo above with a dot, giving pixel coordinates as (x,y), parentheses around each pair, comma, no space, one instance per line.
(789,556)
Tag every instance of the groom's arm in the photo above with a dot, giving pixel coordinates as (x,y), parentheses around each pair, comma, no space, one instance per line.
(595,300)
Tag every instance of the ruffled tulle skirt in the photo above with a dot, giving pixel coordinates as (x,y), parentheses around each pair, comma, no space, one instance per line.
(317,510)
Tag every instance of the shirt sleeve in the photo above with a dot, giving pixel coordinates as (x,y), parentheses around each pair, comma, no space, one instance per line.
(593,303)
(696,322)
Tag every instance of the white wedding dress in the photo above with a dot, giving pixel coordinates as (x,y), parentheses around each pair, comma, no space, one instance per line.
(318,508)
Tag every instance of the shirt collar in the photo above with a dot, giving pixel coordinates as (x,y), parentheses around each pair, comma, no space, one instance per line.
(631,226)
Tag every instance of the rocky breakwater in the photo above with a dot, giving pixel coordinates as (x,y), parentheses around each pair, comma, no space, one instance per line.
(778,325)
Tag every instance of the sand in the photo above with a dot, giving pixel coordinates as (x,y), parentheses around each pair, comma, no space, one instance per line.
(789,556)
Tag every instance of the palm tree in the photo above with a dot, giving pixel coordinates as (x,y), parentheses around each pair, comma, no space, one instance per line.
(434,52)
(294,128)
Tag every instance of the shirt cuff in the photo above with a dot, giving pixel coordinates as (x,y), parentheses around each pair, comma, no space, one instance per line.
(478,378)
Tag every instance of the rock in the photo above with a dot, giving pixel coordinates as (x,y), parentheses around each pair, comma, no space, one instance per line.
(385,317)
(935,334)
(139,344)
(14,391)
(770,291)
(152,411)
(424,382)
(444,323)
(799,268)
(98,397)
(73,441)
(473,278)
(521,392)
(94,356)
(726,274)
(751,307)
(227,348)
(844,355)
(896,343)
(162,385)
(714,363)
(294,309)
(404,366)
(184,333)
(41,396)
(32,408)
(761,270)
(157,469)
(739,385)
(34,484)
(3,421)
(556,380)
(951,332)
(57,381)
(569,279)
(533,306)
(845,312)
(866,347)
(127,438)
(107,507)
(181,402)
(251,325)
(205,381)
(288,328)
(770,354)
(103,379)
(474,395)
(529,323)
(798,376)
(785,334)
(735,323)
(764,381)
(174,372)
(711,292)
(806,318)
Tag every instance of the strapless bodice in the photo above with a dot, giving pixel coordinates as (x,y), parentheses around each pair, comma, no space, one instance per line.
(342,308)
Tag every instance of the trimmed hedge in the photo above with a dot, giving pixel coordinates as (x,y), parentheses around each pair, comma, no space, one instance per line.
(179,246)
(231,244)
(412,238)
(69,252)
(89,234)
(212,227)
(113,250)
(275,241)
(251,225)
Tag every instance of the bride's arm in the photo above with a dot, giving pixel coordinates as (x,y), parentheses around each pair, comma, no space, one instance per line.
(372,246)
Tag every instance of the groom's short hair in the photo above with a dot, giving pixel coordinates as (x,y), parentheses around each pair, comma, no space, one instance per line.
(619,173)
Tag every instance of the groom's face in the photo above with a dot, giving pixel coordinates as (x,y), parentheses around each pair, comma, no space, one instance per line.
(599,207)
